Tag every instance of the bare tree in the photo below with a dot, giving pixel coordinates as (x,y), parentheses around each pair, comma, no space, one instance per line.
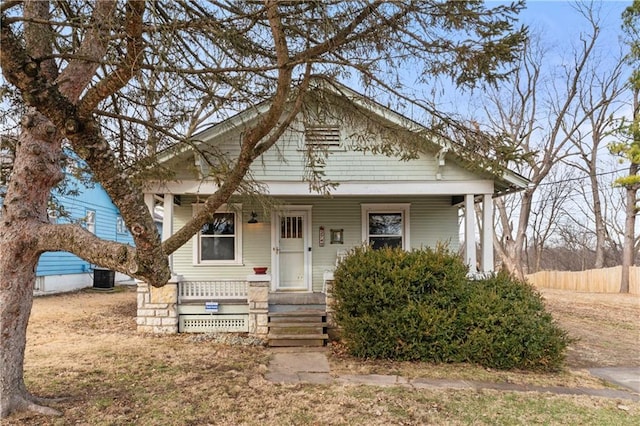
(116,80)
(548,212)
(599,101)
(537,112)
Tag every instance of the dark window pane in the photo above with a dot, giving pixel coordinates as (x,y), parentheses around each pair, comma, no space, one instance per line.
(291,227)
(379,242)
(222,224)
(385,223)
(217,248)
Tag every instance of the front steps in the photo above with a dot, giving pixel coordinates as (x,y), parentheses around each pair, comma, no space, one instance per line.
(298,327)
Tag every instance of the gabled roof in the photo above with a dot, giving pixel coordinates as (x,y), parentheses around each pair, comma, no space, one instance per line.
(506,181)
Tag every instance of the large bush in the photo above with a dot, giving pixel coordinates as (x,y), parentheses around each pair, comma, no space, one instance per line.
(420,305)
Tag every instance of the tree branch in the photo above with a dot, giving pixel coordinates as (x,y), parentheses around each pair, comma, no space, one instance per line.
(79,72)
(251,138)
(129,65)
(77,240)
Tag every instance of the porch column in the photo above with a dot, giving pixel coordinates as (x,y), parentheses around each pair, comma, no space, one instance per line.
(158,307)
(258,299)
(470,233)
(167,222)
(487,233)
(150,201)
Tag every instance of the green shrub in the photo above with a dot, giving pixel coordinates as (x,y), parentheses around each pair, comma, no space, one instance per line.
(419,305)
(508,327)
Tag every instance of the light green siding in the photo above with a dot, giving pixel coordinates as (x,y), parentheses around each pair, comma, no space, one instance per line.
(256,248)
(286,161)
(432,220)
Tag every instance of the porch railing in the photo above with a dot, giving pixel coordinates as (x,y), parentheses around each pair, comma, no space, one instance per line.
(212,290)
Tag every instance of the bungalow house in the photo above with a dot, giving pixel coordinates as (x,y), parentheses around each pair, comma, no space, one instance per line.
(374,197)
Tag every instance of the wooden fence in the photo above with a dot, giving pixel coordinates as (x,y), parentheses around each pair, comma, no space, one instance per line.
(606,280)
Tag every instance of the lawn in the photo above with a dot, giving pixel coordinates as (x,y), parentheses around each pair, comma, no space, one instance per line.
(84,347)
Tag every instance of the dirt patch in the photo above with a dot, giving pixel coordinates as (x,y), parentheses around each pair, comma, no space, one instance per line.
(606,326)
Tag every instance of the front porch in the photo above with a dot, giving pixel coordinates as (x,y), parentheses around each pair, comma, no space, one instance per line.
(241,306)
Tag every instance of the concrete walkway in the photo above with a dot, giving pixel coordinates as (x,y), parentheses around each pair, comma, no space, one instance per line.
(628,377)
(310,365)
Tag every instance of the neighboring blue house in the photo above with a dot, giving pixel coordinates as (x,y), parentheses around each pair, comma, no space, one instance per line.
(89,205)
(62,271)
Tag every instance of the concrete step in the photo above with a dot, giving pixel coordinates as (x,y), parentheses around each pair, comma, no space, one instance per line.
(298,313)
(284,298)
(296,324)
(301,327)
(276,330)
(276,307)
(295,340)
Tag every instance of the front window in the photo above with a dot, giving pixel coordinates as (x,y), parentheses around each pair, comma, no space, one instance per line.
(218,238)
(386,225)
(218,241)
(385,230)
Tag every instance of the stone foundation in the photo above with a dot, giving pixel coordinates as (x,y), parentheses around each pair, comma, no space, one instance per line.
(329,301)
(158,307)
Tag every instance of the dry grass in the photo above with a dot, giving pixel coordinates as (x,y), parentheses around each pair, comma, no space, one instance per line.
(607,327)
(84,346)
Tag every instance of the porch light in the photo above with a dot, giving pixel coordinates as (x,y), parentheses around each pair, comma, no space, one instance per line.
(254,218)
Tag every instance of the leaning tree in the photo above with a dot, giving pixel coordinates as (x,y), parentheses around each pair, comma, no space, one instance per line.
(118,80)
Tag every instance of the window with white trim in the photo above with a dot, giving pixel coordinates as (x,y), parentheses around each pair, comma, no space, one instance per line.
(90,221)
(386,225)
(219,241)
(121,227)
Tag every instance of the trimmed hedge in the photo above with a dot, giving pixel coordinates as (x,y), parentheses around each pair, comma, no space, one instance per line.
(420,305)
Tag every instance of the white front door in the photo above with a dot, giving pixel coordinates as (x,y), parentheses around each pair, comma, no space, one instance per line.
(291,240)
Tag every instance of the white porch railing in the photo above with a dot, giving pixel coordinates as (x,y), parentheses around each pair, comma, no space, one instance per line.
(212,290)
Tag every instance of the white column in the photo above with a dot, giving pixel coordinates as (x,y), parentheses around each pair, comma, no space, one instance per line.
(150,202)
(470,232)
(167,217)
(167,222)
(487,233)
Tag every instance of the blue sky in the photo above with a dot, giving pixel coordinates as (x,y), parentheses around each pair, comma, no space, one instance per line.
(558,18)
(559,25)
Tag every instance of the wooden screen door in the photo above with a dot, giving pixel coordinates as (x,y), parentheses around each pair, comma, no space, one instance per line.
(292,250)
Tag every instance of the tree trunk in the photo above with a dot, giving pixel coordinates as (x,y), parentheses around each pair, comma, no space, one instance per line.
(628,247)
(16,296)
(512,261)
(36,170)
(598,219)
(511,250)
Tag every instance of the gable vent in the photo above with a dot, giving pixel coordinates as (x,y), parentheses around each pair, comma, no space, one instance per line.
(322,136)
